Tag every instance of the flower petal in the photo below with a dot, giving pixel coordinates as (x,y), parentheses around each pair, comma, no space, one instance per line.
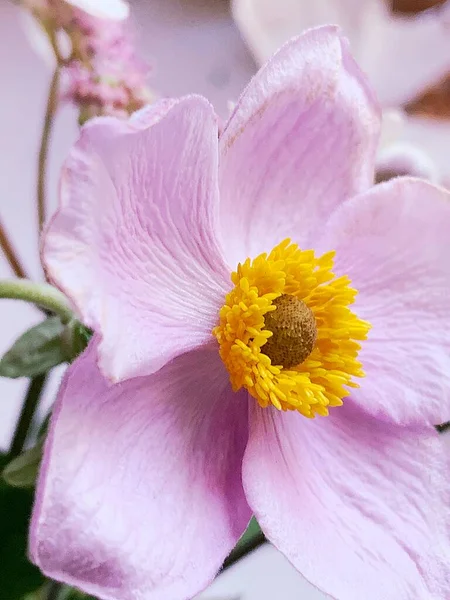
(394,244)
(402,55)
(140,493)
(300,141)
(359,507)
(133,242)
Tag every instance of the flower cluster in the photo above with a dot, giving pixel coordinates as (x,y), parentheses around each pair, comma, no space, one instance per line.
(102,73)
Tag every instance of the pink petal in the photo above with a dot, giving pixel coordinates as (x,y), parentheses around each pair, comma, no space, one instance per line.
(394,244)
(401,55)
(300,141)
(133,242)
(140,494)
(358,506)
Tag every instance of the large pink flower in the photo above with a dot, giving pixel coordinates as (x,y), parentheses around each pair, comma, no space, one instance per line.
(153,465)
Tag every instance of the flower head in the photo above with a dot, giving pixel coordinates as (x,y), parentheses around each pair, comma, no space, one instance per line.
(216,337)
(102,73)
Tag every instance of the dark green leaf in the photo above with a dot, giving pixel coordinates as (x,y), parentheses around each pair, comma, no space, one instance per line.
(22,471)
(63,593)
(18,576)
(36,351)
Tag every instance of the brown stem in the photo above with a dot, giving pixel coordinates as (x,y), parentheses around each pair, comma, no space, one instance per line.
(10,253)
(52,105)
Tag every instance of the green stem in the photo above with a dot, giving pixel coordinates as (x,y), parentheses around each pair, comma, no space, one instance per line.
(10,253)
(41,294)
(25,421)
(52,104)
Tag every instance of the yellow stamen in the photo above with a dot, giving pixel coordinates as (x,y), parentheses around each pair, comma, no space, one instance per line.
(330,361)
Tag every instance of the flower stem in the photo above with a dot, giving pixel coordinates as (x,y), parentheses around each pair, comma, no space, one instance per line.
(52,105)
(27,413)
(10,253)
(41,294)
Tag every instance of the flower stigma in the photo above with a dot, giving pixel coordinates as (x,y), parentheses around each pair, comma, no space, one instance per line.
(286,332)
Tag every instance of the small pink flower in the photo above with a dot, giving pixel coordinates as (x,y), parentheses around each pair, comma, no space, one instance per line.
(153,465)
(102,74)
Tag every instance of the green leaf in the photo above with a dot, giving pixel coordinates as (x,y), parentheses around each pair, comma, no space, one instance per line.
(36,351)
(64,593)
(18,576)
(23,470)
(76,338)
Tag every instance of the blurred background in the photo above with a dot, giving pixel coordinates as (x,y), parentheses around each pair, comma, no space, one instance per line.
(212,48)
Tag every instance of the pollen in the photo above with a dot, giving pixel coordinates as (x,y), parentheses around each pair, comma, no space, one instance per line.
(287,334)
(294,332)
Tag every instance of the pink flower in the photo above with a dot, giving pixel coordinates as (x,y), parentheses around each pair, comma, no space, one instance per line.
(102,72)
(105,76)
(153,464)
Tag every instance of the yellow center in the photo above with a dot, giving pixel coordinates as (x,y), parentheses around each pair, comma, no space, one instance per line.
(287,334)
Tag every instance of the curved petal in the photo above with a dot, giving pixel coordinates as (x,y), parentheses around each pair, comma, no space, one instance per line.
(140,492)
(360,507)
(133,242)
(402,55)
(394,244)
(300,141)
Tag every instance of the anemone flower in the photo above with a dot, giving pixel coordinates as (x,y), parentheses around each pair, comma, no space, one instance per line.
(403,56)
(215,273)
